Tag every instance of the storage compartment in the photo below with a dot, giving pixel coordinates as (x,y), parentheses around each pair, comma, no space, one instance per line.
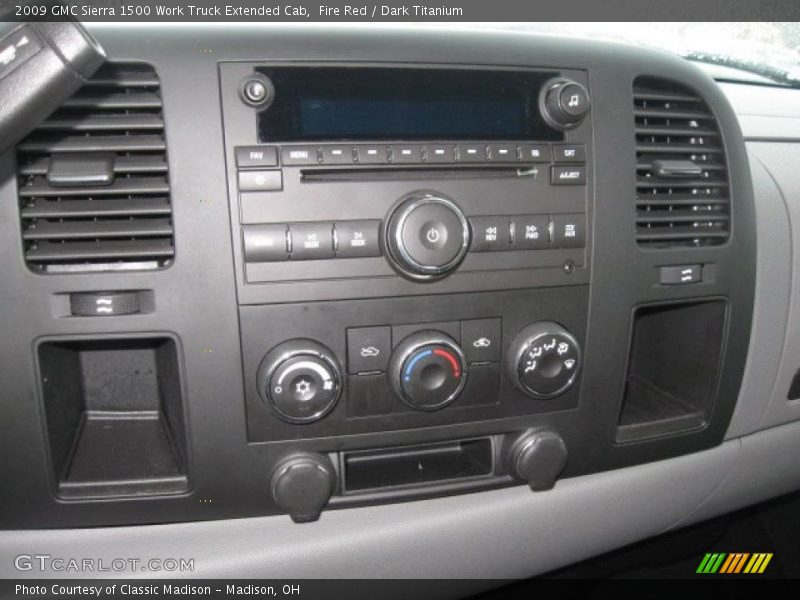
(673,369)
(417,465)
(115,417)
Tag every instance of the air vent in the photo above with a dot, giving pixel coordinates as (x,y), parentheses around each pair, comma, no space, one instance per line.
(93,183)
(682,188)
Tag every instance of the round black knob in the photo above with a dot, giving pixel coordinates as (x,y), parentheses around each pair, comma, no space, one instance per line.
(428,370)
(427,236)
(302,484)
(301,380)
(536,457)
(257,91)
(543,360)
(564,103)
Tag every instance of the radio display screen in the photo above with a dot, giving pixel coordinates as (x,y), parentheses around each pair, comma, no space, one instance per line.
(367,103)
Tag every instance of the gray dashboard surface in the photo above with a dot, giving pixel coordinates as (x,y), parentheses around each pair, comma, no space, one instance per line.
(513,533)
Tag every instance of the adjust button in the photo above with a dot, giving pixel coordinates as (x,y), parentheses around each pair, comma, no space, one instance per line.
(490,234)
(311,241)
(264,243)
(357,238)
(368,349)
(568,176)
(569,231)
(480,340)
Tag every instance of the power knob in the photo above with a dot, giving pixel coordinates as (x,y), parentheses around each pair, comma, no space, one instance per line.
(564,103)
(302,484)
(427,236)
(300,379)
(544,360)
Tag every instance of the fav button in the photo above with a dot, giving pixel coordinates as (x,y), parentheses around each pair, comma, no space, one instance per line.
(480,340)
(256,156)
(357,238)
(368,349)
(311,240)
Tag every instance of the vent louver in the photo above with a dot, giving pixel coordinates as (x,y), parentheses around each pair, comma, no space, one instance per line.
(682,191)
(93,182)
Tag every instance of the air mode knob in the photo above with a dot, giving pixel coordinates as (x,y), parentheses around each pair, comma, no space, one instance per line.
(427,236)
(543,360)
(564,103)
(300,379)
(302,484)
(428,370)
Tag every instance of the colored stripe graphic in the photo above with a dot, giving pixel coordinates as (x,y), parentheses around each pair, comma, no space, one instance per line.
(734,563)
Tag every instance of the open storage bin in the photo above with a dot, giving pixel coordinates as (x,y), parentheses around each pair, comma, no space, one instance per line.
(115,416)
(673,369)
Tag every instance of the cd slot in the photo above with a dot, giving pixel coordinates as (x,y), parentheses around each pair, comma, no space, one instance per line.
(427,464)
(395,173)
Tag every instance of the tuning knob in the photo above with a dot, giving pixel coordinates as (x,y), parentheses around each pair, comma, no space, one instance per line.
(300,379)
(543,360)
(302,484)
(427,236)
(428,370)
(564,103)
(536,457)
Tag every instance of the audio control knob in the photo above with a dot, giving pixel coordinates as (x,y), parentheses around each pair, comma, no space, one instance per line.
(300,379)
(564,103)
(428,370)
(427,236)
(543,360)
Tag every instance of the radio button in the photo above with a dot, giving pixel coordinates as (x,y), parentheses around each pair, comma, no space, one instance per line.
(568,176)
(569,153)
(471,153)
(503,153)
(490,234)
(256,156)
(264,243)
(436,153)
(569,231)
(337,155)
(531,232)
(407,154)
(357,238)
(299,155)
(311,241)
(537,153)
(373,154)
(260,181)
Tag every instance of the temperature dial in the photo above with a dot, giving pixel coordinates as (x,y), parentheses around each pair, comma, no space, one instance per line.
(300,379)
(544,360)
(428,370)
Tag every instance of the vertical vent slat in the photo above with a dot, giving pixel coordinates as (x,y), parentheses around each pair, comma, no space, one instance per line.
(682,186)
(93,181)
